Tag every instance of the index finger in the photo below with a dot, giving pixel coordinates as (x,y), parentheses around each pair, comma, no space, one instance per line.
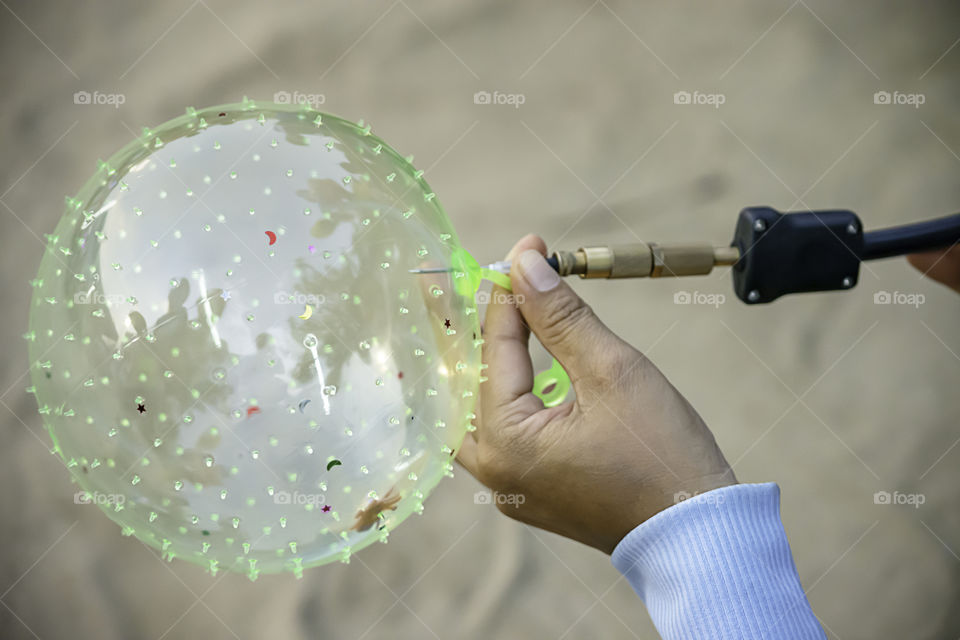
(505,347)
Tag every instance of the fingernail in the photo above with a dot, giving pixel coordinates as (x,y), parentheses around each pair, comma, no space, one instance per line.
(537,272)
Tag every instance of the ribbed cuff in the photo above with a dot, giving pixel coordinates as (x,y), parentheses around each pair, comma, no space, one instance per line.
(718,565)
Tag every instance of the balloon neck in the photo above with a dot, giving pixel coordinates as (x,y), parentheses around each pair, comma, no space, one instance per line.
(467,274)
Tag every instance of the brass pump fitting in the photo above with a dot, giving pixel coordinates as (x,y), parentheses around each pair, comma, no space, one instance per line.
(644,260)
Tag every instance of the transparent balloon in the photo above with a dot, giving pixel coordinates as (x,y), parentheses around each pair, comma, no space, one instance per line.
(228,348)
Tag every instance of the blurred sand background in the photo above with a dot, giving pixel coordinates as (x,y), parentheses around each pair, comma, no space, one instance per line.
(831,395)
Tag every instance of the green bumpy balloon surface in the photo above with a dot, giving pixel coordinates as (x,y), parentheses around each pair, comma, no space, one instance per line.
(229,351)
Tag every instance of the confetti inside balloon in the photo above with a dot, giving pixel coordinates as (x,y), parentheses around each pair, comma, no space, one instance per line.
(157,283)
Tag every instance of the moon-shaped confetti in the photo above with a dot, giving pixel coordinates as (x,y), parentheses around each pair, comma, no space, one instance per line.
(304,403)
(272,236)
(307,312)
(332,464)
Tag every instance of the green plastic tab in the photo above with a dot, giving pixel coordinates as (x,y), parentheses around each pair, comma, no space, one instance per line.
(556,377)
(497,278)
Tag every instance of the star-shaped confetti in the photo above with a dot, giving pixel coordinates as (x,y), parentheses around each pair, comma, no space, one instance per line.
(141,408)
(446,323)
(225,295)
(326,508)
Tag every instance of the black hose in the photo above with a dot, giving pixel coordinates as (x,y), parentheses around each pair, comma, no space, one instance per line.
(911,238)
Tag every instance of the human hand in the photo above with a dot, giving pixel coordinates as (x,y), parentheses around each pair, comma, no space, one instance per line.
(943,265)
(594,468)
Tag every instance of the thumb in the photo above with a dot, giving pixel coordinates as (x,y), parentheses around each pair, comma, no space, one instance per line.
(941,265)
(564,323)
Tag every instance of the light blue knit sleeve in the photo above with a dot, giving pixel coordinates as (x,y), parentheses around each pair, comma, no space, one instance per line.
(718,565)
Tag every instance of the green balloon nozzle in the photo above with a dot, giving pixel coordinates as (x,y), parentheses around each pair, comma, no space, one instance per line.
(467,274)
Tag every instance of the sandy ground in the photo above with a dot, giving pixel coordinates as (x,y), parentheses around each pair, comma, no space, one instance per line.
(832,396)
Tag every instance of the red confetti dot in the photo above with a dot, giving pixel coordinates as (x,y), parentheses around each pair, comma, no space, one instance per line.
(222,114)
(400,375)
(252,410)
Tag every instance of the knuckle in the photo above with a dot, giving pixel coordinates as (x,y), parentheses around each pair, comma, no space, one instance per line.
(491,468)
(564,319)
(620,364)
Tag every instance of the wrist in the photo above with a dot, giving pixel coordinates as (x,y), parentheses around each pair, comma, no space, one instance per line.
(654,502)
